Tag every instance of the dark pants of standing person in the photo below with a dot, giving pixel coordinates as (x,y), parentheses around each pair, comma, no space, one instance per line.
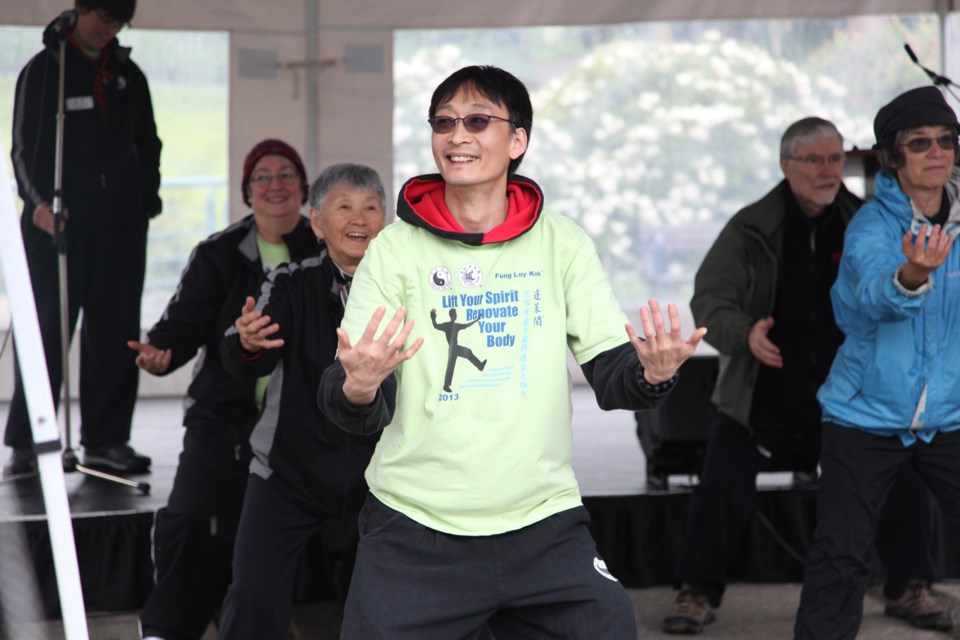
(273,531)
(106,261)
(725,501)
(193,536)
(543,581)
(858,470)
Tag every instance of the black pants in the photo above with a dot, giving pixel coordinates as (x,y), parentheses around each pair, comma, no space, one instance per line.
(858,470)
(193,536)
(105,269)
(273,531)
(543,581)
(724,502)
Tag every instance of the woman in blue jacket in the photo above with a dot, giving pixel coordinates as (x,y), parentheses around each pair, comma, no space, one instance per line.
(893,394)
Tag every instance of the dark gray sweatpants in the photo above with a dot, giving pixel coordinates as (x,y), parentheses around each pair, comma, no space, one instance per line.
(543,581)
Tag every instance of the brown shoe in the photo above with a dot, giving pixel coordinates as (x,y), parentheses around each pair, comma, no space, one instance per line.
(920,608)
(689,613)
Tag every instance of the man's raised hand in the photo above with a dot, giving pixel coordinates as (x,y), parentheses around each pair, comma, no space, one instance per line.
(662,352)
(371,360)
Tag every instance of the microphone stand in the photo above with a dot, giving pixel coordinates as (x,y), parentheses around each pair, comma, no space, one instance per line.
(70,460)
(937,79)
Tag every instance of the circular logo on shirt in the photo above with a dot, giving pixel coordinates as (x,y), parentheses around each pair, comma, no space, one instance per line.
(470,275)
(440,278)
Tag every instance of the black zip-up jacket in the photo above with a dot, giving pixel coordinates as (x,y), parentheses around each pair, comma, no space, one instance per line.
(111,157)
(736,285)
(222,271)
(312,462)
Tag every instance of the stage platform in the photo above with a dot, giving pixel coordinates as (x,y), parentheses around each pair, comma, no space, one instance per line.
(638,528)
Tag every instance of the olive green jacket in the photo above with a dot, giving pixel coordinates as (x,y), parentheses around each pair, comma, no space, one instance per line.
(735,286)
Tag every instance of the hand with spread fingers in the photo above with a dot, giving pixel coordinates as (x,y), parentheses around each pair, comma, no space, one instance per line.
(661,352)
(371,360)
(255,329)
(150,359)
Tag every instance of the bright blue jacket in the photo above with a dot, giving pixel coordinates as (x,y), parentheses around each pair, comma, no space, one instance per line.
(897,345)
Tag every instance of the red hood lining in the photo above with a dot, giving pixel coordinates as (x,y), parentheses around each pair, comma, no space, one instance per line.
(425,198)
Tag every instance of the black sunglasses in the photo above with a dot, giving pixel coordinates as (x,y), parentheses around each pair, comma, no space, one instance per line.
(474,123)
(919,145)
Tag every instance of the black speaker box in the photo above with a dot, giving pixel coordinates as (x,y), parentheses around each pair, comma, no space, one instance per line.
(674,436)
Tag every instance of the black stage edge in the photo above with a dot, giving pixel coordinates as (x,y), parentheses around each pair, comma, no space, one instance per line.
(639,536)
(116,568)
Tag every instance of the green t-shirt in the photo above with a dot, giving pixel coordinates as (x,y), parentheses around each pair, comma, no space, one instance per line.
(481,440)
(271,256)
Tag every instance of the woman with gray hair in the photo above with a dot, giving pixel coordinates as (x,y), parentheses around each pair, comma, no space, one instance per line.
(306,475)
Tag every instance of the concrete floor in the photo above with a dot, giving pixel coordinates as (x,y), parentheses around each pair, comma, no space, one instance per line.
(750,612)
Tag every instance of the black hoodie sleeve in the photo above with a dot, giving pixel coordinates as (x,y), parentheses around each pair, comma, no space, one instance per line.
(148,144)
(191,316)
(616,378)
(34,124)
(364,421)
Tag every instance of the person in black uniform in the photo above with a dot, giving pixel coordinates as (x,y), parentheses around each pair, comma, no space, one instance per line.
(111,183)
(194,534)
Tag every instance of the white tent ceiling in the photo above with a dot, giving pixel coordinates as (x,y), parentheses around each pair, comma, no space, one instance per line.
(286,15)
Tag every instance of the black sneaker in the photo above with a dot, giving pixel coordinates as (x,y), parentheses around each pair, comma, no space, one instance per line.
(119,458)
(22,463)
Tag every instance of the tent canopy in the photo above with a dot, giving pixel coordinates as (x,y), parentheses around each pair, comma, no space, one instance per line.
(288,15)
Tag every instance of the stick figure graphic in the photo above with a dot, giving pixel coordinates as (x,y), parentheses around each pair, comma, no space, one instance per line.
(452,329)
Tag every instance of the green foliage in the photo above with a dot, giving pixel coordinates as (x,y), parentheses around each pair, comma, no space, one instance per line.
(641,135)
(651,136)
(869,60)
(415,78)
(192,123)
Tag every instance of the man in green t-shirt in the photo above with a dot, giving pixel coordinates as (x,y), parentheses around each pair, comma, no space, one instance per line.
(475,516)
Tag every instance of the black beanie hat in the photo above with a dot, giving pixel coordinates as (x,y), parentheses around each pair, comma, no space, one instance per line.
(919,107)
(272,147)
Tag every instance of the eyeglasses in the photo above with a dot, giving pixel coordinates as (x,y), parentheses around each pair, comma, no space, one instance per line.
(108,20)
(833,160)
(474,123)
(919,145)
(264,179)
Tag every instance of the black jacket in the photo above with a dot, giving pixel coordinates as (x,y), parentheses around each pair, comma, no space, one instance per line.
(111,155)
(315,464)
(736,285)
(222,271)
